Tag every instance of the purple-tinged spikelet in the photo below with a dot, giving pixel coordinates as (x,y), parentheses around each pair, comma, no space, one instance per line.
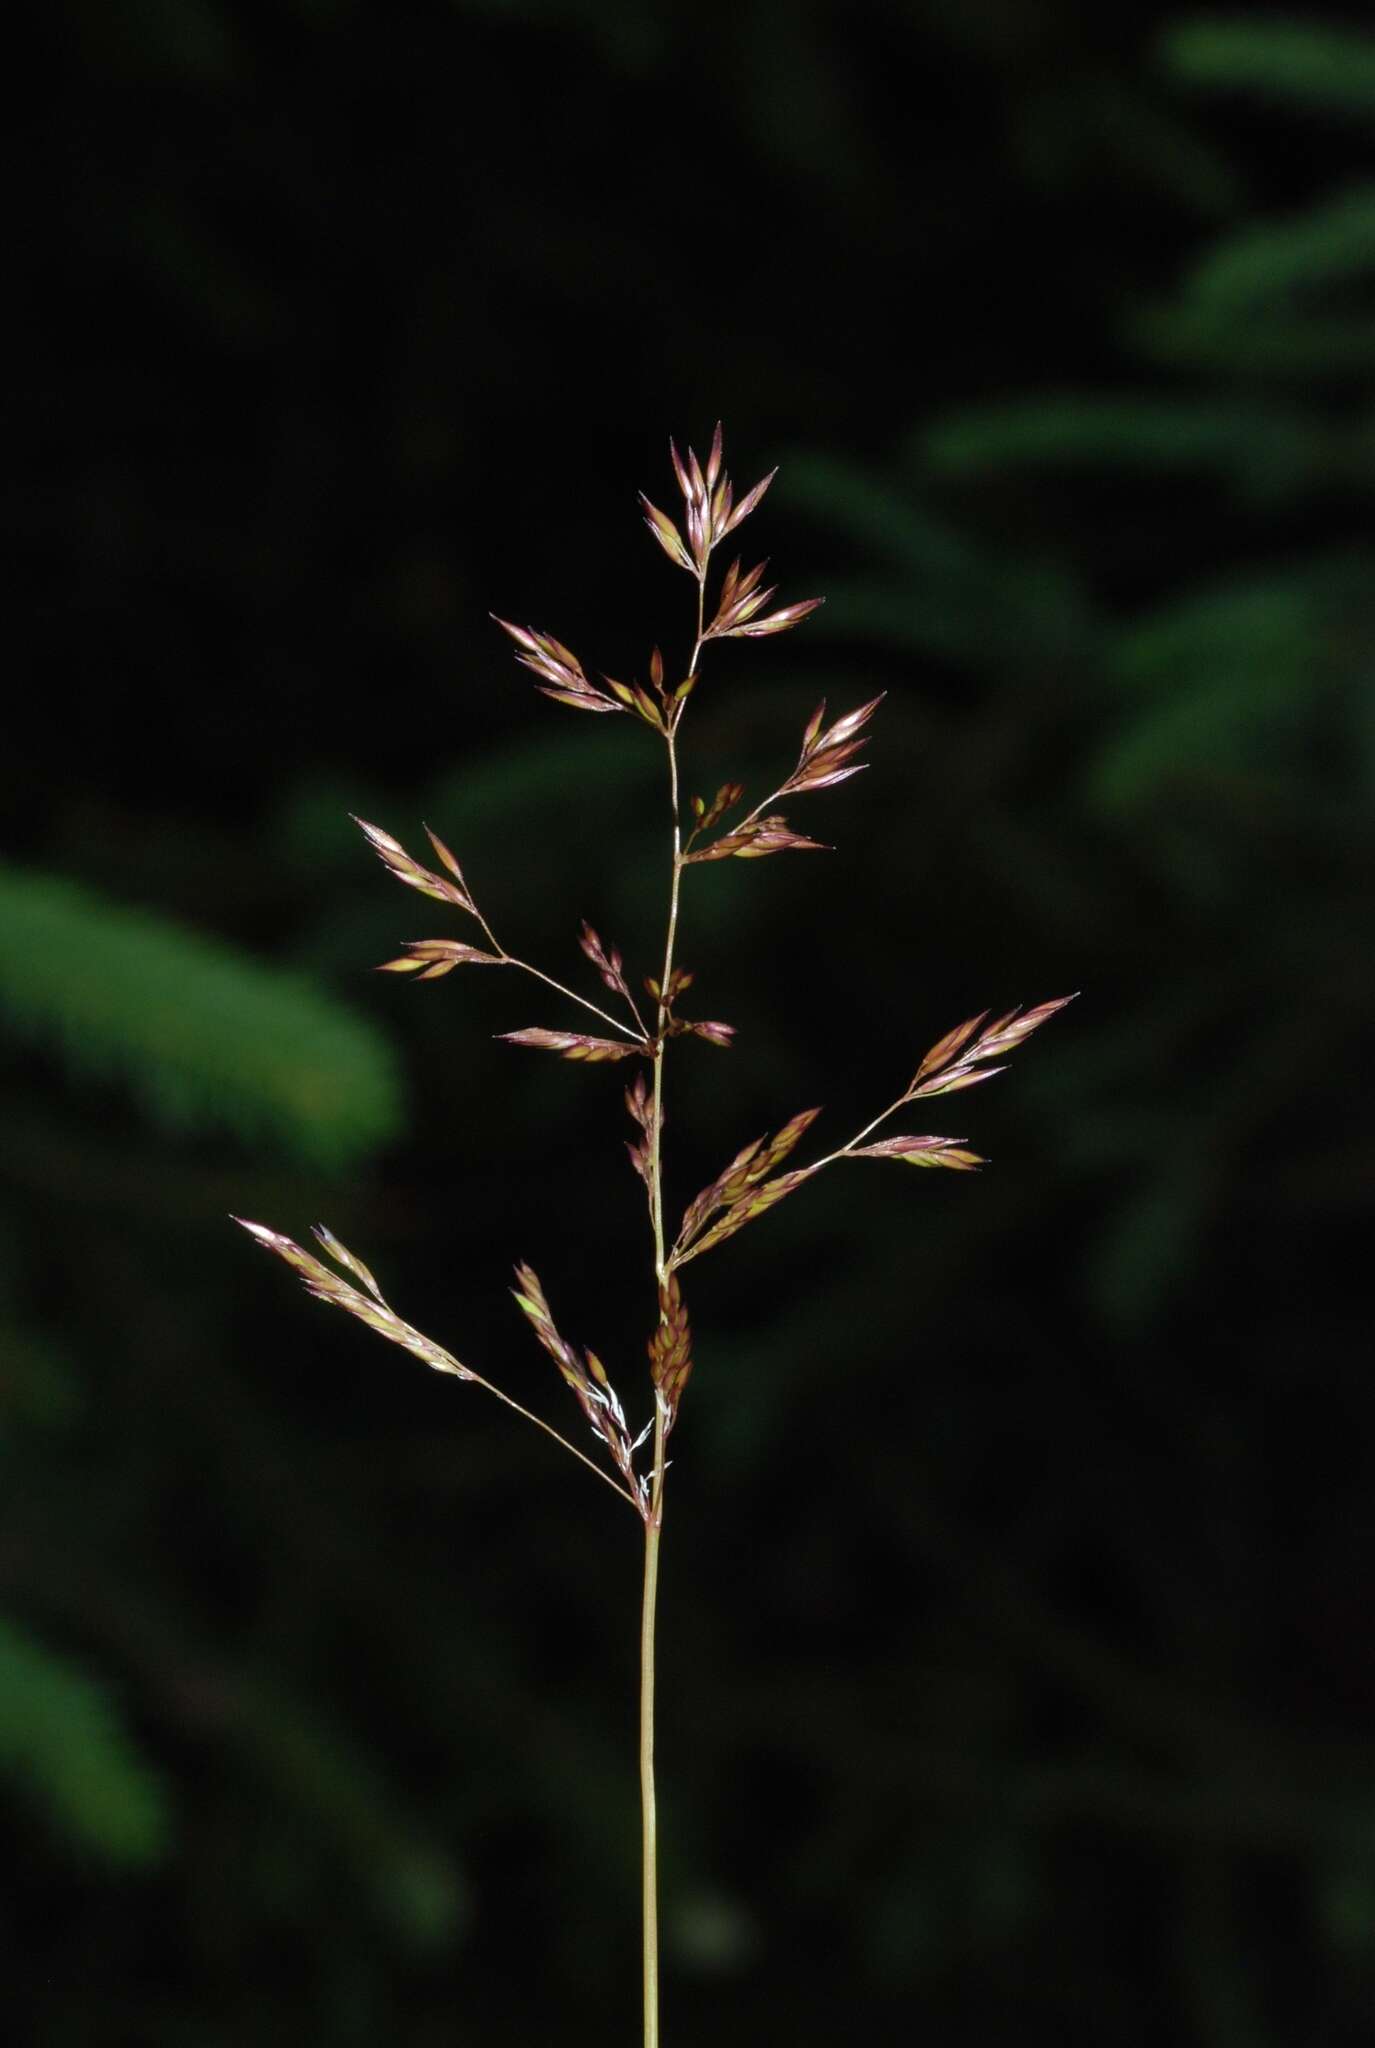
(369,1307)
(670,1347)
(586,1375)
(575,1045)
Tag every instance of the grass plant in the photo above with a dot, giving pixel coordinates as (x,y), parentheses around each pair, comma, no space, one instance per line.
(633,1462)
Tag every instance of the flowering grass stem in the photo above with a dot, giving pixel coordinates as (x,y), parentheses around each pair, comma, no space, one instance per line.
(751,1183)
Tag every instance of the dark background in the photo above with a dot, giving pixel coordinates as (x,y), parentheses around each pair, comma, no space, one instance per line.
(1017,1677)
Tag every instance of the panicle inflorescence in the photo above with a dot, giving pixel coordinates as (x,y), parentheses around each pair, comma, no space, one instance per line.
(752,1183)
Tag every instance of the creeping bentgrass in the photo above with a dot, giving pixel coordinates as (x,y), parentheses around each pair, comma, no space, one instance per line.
(634,1464)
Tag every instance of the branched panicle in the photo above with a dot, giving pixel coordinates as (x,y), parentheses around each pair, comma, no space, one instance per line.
(742,607)
(586,1375)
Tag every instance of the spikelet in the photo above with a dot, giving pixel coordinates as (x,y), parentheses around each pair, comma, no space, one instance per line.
(678,980)
(559,669)
(741,603)
(634,698)
(607,961)
(959,1059)
(639,1102)
(667,535)
(369,1307)
(670,1347)
(825,755)
(755,1203)
(775,622)
(576,1045)
(427,959)
(706,815)
(749,1166)
(754,840)
(709,514)
(921,1152)
(393,855)
(714,1032)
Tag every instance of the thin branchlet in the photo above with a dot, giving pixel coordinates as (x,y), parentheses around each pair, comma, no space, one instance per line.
(741,607)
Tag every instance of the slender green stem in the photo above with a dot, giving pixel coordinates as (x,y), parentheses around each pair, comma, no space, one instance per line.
(843,1151)
(656,1188)
(549,1430)
(549,982)
(510,960)
(648,1812)
(654,1519)
(656,1185)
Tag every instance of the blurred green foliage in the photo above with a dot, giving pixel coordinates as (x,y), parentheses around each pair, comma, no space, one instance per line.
(206,1038)
(1317,65)
(62,1742)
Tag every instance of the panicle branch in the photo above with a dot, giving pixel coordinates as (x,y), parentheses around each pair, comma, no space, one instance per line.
(586,1375)
(369,1306)
(744,1191)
